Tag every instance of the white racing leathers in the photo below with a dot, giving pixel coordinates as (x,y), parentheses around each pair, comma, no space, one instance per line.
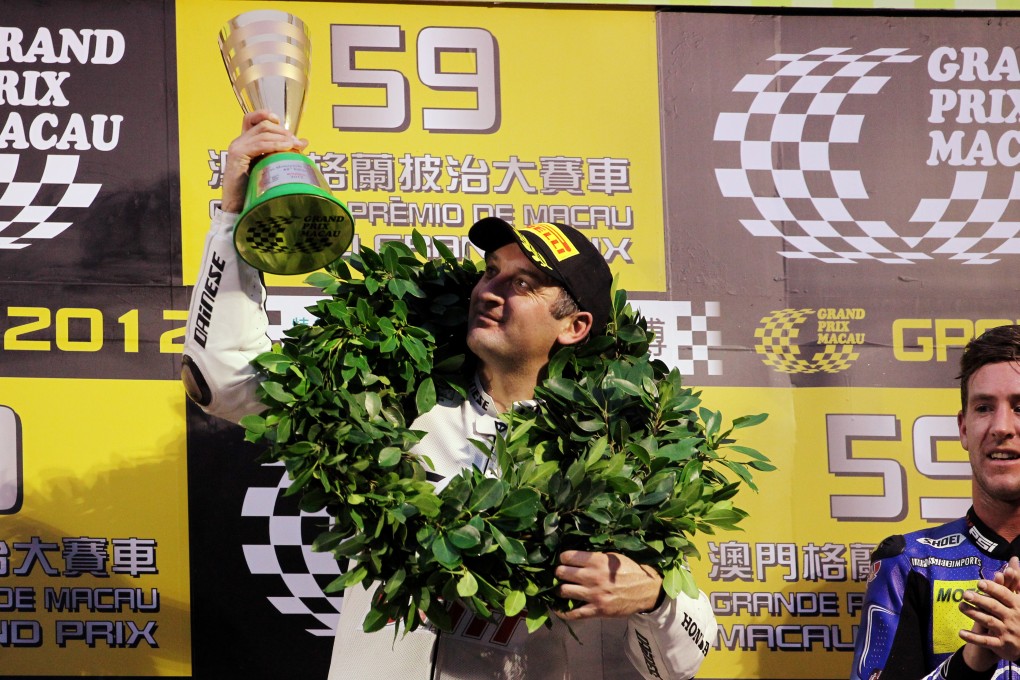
(227,328)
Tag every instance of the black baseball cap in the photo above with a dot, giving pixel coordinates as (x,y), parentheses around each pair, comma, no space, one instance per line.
(562,252)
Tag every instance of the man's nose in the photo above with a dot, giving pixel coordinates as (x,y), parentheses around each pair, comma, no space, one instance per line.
(493,289)
(1005,423)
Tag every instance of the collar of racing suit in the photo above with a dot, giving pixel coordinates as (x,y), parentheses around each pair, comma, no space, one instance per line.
(486,404)
(988,541)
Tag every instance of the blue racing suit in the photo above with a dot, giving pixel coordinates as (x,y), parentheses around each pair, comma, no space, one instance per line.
(911,619)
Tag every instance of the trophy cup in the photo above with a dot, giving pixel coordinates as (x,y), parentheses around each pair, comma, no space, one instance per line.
(291,223)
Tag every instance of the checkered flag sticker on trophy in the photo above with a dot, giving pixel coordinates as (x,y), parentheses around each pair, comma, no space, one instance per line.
(31,207)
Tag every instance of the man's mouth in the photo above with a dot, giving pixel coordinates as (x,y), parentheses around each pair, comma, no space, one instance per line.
(1004,455)
(486,317)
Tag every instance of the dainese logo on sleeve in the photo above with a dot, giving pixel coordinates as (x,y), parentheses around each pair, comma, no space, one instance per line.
(810,341)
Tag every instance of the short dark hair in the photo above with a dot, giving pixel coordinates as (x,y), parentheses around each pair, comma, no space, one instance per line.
(564,305)
(996,345)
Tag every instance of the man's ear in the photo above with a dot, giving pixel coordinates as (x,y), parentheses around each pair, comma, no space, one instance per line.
(962,425)
(577,328)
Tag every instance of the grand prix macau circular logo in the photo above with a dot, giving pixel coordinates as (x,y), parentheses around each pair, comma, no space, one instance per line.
(780,340)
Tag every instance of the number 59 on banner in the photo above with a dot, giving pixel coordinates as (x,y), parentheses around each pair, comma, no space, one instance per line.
(11,482)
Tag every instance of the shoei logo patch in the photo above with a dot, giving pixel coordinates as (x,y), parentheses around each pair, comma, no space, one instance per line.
(799,150)
(829,338)
(558,243)
(950,541)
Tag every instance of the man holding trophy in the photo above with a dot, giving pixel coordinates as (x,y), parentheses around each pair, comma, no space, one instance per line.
(624,627)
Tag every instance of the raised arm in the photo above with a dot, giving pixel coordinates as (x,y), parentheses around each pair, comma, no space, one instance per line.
(227,321)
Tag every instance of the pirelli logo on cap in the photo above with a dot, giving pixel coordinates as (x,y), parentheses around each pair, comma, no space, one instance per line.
(558,243)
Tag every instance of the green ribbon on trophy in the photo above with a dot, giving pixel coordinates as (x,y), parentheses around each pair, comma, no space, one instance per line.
(291,222)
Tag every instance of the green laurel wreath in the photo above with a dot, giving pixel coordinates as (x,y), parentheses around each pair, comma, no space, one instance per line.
(619,457)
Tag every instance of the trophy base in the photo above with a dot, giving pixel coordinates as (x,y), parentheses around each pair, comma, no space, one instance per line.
(293,228)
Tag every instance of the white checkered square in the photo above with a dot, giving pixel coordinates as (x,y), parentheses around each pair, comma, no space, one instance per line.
(846,129)
(774,209)
(788,127)
(989,210)
(800,67)
(811,84)
(856,69)
(79,195)
(864,244)
(832,209)
(289,605)
(814,155)
(849,184)
(930,210)
(826,103)
(734,183)
(768,102)
(791,184)
(19,194)
(285,530)
(261,559)
(1010,247)
(303,585)
(1005,230)
(731,127)
(59,170)
(877,229)
(756,155)
(819,229)
(35,213)
(868,85)
(8,167)
(969,185)
(754,82)
(808,244)
(761,228)
(46,230)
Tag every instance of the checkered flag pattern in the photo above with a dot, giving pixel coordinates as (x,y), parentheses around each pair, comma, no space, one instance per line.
(287,553)
(972,224)
(683,337)
(276,235)
(695,339)
(799,106)
(27,207)
(776,336)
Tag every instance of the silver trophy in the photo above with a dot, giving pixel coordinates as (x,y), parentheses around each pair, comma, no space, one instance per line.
(291,223)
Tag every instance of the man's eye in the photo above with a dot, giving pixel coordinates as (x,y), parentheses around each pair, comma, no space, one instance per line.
(522,285)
